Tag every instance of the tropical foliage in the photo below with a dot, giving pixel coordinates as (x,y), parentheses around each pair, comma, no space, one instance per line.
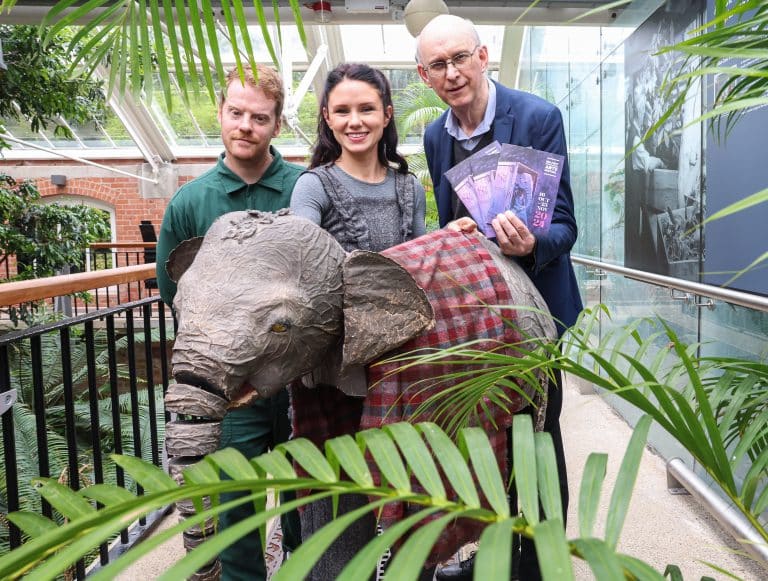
(715,407)
(45,237)
(416,106)
(32,66)
(53,385)
(711,406)
(732,50)
(135,39)
(399,449)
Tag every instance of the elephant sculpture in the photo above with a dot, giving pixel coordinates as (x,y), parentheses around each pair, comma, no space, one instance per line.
(266,299)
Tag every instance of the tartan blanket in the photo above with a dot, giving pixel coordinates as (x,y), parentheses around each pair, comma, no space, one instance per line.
(460,279)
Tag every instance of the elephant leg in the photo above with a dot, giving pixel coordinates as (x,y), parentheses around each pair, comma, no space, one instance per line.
(194,432)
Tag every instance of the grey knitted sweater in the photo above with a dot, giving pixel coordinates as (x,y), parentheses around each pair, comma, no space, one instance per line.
(376,204)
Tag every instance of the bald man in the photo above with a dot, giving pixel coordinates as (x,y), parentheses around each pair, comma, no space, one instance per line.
(453,61)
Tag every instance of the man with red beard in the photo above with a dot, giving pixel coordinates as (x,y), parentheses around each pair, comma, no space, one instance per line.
(250,175)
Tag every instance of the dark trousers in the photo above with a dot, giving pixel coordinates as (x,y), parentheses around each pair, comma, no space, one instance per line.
(524,560)
(252,431)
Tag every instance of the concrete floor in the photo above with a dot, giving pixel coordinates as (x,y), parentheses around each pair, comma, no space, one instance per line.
(661,528)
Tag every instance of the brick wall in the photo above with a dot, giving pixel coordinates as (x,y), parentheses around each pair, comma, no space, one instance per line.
(123,196)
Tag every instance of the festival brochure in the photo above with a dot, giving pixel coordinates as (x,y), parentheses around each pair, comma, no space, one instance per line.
(503,186)
(483,164)
(476,197)
(536,184)
(509,177)
(460,177)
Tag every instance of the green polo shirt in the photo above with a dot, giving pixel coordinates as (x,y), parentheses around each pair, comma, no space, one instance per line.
(197,204)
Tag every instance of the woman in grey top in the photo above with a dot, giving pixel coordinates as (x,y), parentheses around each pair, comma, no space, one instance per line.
(358,189)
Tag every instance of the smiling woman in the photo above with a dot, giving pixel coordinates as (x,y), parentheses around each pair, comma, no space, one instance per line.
(360,191)
(359,188)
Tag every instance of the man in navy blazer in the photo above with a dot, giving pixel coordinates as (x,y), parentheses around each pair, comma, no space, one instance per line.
(452,60)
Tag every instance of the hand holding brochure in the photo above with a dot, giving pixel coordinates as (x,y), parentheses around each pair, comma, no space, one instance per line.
(509,177)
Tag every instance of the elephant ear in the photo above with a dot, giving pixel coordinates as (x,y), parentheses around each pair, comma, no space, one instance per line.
(181,257)
(383,308)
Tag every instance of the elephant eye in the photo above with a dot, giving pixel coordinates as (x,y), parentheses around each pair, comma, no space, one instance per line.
(279,327)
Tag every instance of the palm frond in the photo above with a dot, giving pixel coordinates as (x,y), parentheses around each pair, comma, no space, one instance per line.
(144,38)
(714,407)
(711,405)
(732,46)
(53,549)
(418,105)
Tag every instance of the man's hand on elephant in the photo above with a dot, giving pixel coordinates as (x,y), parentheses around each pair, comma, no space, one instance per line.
(513,235)
(467,225)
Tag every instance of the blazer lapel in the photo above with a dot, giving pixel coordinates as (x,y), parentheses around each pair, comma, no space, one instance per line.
(504,118)
(444,196)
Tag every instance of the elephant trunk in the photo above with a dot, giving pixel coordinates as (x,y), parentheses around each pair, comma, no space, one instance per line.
(193,432)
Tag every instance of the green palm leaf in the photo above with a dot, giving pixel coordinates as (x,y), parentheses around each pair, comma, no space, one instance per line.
(526,481)
(153,37)
(418,458)
(736,31)
(364,563)
(589,494)
(552,550)
(495,559)
(54,549)
(604,562)
(625,482)
(344,451)
(715,407)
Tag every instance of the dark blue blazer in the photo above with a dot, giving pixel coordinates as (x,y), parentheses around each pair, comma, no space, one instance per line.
(526,120)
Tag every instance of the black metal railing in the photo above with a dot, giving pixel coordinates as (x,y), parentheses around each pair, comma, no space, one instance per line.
(86,386)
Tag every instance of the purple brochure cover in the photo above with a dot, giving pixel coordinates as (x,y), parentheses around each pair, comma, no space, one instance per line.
(483,164)
(506,174)
(460,177)
(537,180)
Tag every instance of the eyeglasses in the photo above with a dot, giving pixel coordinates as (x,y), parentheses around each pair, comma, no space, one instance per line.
(438,69)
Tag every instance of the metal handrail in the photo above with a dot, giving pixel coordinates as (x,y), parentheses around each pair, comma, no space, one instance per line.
(744,299)
(731,520)
(678,474)
(12,293)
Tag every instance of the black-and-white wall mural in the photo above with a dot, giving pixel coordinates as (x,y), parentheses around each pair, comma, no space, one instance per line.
(663,202)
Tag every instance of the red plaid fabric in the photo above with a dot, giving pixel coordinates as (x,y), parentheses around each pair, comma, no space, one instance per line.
(461,281)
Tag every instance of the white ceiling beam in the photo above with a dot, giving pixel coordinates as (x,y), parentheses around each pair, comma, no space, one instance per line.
(479,11)
(142,127)
(511,49)
(330,36)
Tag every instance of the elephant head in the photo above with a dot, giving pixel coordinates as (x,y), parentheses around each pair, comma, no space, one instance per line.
(265,299)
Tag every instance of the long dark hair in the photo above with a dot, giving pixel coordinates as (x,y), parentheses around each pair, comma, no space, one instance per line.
(327,149)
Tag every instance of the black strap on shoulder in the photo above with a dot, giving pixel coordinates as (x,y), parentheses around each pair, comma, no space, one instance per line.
(405,191)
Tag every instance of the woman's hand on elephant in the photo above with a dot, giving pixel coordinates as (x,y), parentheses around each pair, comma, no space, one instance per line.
(467,225)
(512,235)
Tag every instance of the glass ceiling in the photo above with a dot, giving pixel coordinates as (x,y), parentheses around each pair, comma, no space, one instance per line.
(194,131)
